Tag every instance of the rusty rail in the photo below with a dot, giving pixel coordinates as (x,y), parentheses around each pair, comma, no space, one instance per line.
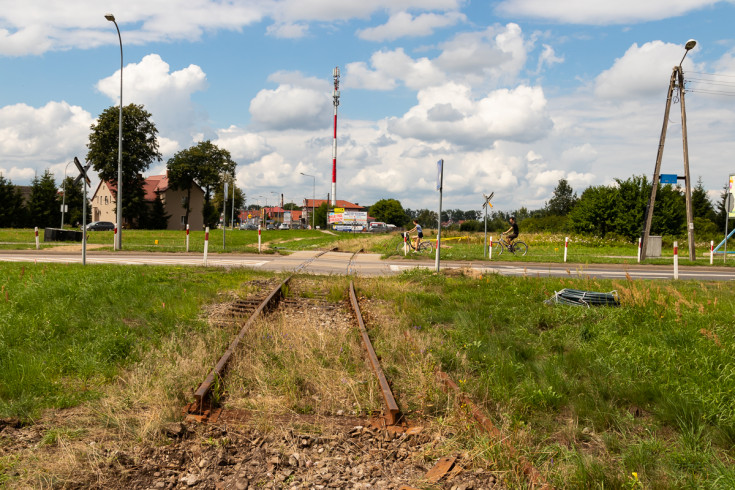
(392,412)
(204,390)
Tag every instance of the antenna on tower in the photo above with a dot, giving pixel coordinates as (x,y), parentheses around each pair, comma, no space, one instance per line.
(335,96)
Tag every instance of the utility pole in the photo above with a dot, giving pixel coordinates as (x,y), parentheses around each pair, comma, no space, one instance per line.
(335,97)
(676,83)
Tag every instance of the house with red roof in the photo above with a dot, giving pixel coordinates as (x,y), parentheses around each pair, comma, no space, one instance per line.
(155,187)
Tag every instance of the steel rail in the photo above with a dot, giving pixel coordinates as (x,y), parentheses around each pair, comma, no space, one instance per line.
(392,413)
(204,390)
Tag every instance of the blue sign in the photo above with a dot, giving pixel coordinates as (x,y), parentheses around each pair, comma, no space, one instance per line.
(668,178)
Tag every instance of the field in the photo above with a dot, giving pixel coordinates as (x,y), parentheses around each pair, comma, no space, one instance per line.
(543,247)
(630,397)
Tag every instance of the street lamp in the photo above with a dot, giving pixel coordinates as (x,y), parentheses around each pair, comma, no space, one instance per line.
(688,46)
(313,196)
(63,195)
(118,237)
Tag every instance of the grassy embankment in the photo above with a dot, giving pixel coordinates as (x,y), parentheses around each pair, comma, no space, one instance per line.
(591,396)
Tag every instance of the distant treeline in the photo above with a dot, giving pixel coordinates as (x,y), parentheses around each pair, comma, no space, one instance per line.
(615,211)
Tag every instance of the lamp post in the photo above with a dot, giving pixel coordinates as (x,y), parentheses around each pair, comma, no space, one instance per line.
(313,196)
(118,237)
(63,196)
(675,84)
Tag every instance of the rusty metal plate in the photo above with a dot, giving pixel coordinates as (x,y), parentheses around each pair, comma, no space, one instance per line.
(440,469)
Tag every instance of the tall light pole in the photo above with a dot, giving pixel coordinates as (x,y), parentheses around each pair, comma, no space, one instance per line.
(335,97)
(118,237)
(63,195)
(313,197)
(676,83)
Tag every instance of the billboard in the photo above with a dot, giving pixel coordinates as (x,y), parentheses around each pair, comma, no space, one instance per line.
(348,218)
(731,197)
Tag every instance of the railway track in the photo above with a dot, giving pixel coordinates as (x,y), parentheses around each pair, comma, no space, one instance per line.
(375,428)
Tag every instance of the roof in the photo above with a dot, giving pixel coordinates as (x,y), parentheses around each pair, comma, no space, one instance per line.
(154,185)
(340,204)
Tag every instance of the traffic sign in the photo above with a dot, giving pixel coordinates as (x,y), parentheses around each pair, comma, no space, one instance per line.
(82,172)
(668,178)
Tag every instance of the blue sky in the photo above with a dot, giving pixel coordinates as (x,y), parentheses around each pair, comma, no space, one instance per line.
(512,94)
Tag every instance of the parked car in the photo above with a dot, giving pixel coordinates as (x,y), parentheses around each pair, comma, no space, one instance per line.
(283,226)
(248,226)
(270,227)
(100,226)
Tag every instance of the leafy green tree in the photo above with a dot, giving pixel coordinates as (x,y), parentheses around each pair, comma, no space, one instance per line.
(722,209)
(426,218)
(218,200)
(701,205)
(320,215)
(44,205)
(156,217)
(594,213)
(389,211)
(563,199)
(206,165)
(140,149)
(74,201)
(13,213)
(669,216)
(629,206)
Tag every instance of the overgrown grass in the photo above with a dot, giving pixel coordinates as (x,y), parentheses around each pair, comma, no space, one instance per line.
(67,331)
(593,395)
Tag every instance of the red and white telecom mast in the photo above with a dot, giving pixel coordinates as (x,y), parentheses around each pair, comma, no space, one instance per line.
(335,96)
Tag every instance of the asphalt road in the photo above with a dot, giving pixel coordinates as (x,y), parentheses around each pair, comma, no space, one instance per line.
(371,265)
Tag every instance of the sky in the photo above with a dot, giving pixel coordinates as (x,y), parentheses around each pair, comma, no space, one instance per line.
(513,95)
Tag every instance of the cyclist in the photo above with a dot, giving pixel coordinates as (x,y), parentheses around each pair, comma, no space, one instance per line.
(419,233)
(512,232)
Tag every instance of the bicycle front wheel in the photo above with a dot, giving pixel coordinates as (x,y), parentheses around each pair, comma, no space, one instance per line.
(426,247)
(520,248)
(497,248)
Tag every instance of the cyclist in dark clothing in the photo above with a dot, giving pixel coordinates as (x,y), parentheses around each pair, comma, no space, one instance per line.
(512,232)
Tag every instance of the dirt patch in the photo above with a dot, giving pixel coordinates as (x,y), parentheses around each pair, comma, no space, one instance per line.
(77,247)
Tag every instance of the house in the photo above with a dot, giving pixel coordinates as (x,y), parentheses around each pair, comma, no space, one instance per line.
(315,203)
(155,186)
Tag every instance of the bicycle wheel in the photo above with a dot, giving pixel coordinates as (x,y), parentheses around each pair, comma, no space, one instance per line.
(426,247)
(520,248)
(497,248)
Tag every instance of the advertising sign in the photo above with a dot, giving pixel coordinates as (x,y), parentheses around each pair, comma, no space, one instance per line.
(334,218)
(731,196)
(287,217)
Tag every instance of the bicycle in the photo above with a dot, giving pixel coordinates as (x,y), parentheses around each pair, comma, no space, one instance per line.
(516,248)
(425,247)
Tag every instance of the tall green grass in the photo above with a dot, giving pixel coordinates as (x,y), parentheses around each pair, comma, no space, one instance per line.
(597,393)
(66,330)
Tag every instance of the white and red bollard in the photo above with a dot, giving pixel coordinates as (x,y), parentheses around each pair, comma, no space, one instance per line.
(37,244)
(187,238)
(676,260)
(490,249)
(640,244)
(405,244)
(114,238)
(259,238)
(711,252)
(566,247)
(206,244)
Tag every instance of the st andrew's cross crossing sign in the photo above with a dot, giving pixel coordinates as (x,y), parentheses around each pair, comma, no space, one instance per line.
(82,172)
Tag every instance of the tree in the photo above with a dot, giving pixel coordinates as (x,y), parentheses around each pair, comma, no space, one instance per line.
(140,149)
(701,205)
(156,218)
(563,199)
(203,164)
(722,209)
(44,205)
(629,206)
(13,213)
(74,201)
(320,215)
(389,211)
(594,213)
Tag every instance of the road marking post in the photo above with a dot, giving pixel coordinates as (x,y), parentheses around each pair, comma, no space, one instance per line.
(206,244)
(259,238)
(37,246)
(566,247)
(490,250)
(711,252)
(640,241)
(114,237)
(187,238)
(676,260)
(405,244)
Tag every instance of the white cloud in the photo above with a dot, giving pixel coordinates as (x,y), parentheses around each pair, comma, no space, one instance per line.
(641,71)
(288,30)
(390,67)
(403,24)
(165,94)
(514,115)
(242,144)
(600,13)
(297,103)
(34,139)
(547,58)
